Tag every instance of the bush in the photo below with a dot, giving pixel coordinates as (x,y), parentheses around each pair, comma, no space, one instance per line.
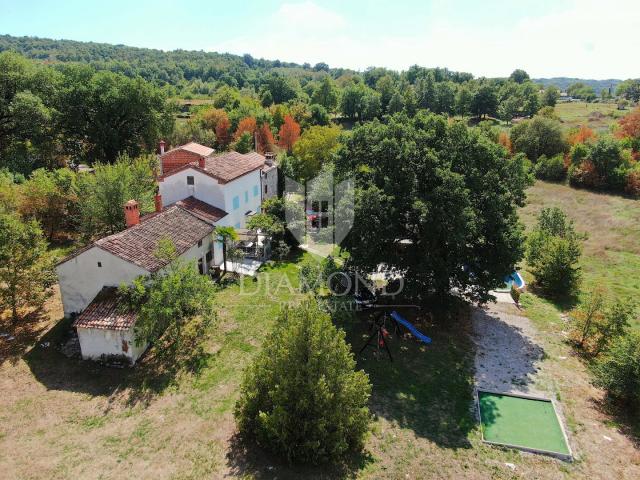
(301,398)
(550,168)
(633,182)
(538,136)
(618,372)
(310,276)
(553,253)
(596,323)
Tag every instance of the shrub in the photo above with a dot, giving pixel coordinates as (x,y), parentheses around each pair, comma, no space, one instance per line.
(618,372)
(633,183)
(301,398)
(175,303)
(596,323)
(538,136)
(553,252)
(280,249)
(515,294)
(550,168)
(310,276)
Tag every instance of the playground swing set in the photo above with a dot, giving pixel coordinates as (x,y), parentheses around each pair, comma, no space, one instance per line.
(379,337)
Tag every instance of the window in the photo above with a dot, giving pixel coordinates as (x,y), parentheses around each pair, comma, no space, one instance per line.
(199,243)
(99,264)
(236,202)
(200,266)
(246,196)
(324,206)
(315,206)
(209,257)
(256,190)
(266,189)
(324,222)
(190,180)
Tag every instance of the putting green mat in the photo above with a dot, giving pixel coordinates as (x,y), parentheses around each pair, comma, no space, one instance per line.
(522,422)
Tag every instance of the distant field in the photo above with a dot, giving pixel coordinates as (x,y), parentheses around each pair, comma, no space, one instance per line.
(597,116)
(611,256)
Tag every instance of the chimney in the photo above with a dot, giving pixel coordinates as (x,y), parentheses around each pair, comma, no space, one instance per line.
(162,144)
(158,201)
(201,162)
(131,213)
(269,157)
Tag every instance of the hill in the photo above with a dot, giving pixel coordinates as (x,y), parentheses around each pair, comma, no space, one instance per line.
(563,83)
(175,67)
(181,67)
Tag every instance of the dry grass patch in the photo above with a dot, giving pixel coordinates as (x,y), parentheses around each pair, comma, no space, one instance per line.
(611,255)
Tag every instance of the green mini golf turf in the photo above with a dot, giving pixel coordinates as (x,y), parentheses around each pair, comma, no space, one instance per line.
(522,422)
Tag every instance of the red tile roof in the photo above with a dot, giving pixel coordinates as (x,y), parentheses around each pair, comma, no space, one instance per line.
(231,165)
(138,244)
(185,223)
(105,313)
(201,209)
(193,147)
(227,166)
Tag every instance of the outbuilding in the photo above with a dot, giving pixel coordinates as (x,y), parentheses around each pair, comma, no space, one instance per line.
(106,330)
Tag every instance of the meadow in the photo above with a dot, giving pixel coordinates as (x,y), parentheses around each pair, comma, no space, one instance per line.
(611,223)
(597,116)
(64,418)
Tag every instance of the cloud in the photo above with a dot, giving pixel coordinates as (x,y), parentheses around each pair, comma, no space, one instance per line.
(584,39)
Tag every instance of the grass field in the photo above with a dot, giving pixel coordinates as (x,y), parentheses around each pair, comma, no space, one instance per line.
(64,418)
(611,256)
(597,116)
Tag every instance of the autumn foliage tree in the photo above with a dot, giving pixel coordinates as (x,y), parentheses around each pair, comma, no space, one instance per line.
(223,136)
(583,134)
(630,126)
(247,124)
(289,133)
(210,118)
(264,138)
(505,141)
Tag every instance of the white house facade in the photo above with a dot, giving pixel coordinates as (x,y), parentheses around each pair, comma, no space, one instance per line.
(197,192)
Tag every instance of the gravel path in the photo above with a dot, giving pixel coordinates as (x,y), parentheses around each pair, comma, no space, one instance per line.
(506,354)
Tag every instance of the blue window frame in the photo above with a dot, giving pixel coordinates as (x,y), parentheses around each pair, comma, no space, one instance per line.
(246,196)
(256,190)
(236,202)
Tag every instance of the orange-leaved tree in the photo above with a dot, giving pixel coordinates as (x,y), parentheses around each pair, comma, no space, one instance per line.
(583,134)
(289,133)
(264,138)
(247,124)
(210,118)
(630,125)
(505,141)
(222,132)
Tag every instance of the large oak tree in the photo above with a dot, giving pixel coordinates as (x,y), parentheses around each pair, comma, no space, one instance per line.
(436,201)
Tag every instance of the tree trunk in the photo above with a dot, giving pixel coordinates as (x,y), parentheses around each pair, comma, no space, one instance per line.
(224,255)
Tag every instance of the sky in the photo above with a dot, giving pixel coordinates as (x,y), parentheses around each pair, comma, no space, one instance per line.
(572,38)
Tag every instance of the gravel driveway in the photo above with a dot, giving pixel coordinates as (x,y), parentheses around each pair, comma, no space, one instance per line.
(506,353)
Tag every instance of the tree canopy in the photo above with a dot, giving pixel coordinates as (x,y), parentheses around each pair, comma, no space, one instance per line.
(435,200)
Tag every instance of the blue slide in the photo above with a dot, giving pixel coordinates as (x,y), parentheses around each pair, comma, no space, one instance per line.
(400,319)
